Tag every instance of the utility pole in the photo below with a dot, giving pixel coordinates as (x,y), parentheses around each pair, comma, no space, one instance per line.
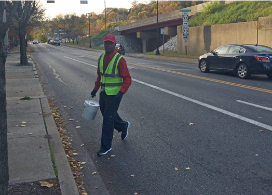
(157,51)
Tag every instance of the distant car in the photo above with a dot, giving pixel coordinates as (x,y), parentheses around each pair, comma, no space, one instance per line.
(120,49)
(62,40)
(55,42)
(35,42)
(241,59)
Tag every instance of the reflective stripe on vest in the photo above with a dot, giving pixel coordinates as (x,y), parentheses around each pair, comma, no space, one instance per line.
(110,79)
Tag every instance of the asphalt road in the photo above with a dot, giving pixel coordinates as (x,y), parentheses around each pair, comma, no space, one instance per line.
(191,133)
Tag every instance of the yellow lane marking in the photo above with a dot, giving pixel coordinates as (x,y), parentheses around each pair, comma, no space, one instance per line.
(208,79)
(200,77)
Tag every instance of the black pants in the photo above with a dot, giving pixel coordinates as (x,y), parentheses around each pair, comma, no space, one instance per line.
(111,119)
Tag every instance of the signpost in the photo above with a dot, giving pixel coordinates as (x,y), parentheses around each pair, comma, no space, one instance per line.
(185,26)
(164,31)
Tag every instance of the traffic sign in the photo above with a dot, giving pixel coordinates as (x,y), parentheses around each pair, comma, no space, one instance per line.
(185,42)
(185,18)
(185,25)
(184,10)
(164,31)
(185,32)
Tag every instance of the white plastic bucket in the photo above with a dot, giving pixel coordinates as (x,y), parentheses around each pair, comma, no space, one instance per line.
(90,109)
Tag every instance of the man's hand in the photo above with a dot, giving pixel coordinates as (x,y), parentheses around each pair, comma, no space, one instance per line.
(93,93)
(118,97)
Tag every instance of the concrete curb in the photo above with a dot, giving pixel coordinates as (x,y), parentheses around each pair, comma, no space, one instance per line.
(65,176)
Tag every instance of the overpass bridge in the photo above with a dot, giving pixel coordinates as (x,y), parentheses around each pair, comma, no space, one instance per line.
(146,29)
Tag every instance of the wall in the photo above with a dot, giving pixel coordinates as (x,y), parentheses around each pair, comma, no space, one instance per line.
(265,31)
(203,39)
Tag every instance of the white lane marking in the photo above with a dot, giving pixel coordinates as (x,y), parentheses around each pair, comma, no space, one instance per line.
(55,73)
(197,102)
(208,106)
(255,105)
(81,62)
(57,76)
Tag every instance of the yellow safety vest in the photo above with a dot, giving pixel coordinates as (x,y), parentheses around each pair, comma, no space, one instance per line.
(110,80)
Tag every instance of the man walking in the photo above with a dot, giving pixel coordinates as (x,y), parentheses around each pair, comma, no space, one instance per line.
(114,79)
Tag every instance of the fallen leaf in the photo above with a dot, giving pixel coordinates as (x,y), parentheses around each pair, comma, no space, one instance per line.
(84,193)
(112,156)
(64,106)
(22,125)
(82,145)
(54,114)
(188,168)
(75,154)
(23,122)
(176,168)
(191,123)
(77,127)
(261,130)
(132,176)
(71,119)
(30,133)
(46,184)
(83,163)
(94,173)
(256,154)
(71,107)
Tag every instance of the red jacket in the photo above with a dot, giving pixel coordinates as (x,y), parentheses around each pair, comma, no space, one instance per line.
(122,68)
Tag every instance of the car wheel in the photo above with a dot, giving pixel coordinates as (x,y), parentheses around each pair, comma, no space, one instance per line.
(243,71)
(269,76)
(203,66)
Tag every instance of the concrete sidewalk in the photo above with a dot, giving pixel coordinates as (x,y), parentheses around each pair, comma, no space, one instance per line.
(33,137)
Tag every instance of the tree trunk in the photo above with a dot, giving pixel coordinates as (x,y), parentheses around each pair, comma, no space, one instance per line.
(4,175)
(22,33)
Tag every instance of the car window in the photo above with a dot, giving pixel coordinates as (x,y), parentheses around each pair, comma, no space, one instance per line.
(236,49)
(260,48)
(221,50)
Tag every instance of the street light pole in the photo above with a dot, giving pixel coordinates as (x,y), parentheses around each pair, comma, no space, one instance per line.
(157,51)
(89,26)
(89,22)
(105,15)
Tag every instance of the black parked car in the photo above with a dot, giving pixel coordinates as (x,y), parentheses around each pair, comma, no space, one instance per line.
(242,59)
(120,49)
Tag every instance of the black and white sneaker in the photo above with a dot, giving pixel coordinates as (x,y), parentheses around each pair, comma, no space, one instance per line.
(102,152)
(125,132)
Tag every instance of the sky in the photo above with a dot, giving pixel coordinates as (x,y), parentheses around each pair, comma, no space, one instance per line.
(74,6)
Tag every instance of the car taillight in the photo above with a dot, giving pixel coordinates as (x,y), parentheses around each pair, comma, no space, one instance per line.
(263,59)
(118,47)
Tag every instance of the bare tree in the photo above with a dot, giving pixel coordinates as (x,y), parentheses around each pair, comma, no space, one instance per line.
(28,13)
(4,176)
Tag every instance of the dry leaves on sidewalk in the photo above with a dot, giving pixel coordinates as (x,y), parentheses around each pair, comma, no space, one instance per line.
(46,184)
(75,165)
